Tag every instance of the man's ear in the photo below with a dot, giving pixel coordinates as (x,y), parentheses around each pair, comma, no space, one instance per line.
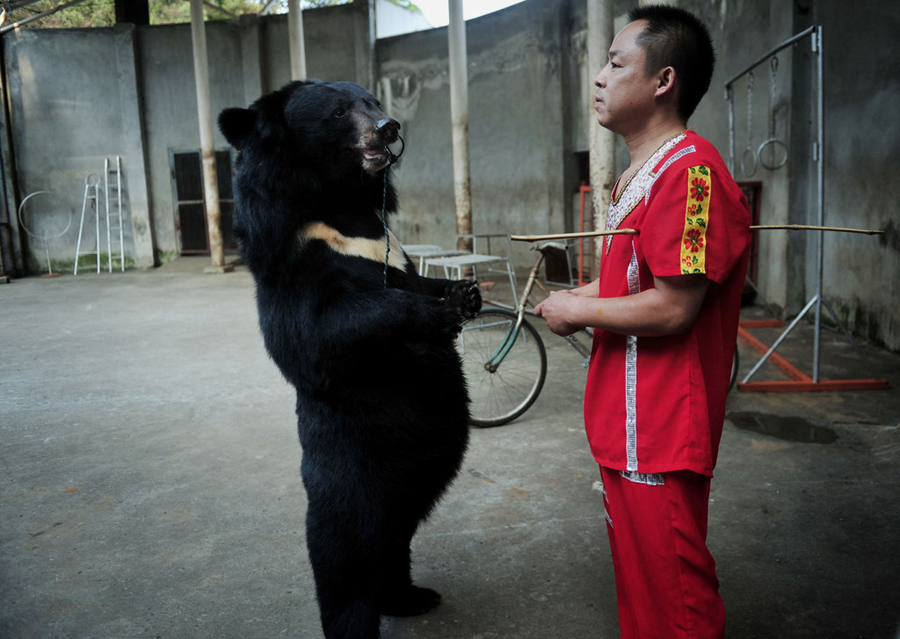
(237,125)
(666,81)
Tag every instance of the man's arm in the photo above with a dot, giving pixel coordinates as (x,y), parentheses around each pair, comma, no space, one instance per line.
(668,309)
(588,290)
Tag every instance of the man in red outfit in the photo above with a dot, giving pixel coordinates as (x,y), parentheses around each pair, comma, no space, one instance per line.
(666,309)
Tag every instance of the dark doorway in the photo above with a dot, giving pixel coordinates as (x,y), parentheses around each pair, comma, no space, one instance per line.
(187,188)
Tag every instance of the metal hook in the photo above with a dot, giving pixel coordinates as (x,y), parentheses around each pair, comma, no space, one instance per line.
(749,160)
(777,149)
(394,158)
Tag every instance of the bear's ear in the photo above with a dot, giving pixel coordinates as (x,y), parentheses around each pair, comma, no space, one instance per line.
(237,125)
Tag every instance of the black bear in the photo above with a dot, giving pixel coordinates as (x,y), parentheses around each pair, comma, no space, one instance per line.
(368,344)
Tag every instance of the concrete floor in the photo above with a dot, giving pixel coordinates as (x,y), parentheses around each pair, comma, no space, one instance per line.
(150,486)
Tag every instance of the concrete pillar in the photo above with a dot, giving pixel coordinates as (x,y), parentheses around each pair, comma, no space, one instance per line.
(364,37)
(134,166)
(459,114)
(602,141)
(207,140)
(12,250)
(298,44)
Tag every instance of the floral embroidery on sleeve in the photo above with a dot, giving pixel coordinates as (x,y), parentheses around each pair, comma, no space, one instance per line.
(699,197)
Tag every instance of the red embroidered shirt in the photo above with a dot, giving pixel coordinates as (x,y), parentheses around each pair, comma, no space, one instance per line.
(657,404)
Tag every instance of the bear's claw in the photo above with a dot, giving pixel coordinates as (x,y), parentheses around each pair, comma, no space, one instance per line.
(465,297)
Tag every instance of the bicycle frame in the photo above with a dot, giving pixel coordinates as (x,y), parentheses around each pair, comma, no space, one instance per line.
(494,362)
(497,358)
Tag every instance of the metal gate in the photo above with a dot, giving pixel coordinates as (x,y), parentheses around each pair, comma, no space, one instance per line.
(187,191)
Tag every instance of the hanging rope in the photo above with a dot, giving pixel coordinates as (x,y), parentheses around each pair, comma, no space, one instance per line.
(384,221)
(384,225)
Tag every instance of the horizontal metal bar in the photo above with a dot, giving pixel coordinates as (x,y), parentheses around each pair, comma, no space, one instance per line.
(783,45)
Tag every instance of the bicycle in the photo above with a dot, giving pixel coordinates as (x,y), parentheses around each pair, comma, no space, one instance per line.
(505,360)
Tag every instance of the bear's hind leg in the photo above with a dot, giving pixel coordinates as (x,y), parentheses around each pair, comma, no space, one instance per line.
(344,571)
(409,602)
(343,618)
(398,597)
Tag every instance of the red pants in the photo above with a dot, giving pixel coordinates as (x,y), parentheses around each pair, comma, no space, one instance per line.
(666,581)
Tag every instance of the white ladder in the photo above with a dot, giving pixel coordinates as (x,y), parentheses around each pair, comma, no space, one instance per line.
(92,196)
(114,232)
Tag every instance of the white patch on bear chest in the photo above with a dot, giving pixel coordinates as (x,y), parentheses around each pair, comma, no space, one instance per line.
(356,246)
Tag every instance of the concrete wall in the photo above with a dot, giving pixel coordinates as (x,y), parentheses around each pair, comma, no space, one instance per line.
(169,106)
(529,92)
(862,100)
(518,143)
(73,103)
(79,96)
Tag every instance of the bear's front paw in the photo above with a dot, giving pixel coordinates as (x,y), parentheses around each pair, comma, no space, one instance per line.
(465,297)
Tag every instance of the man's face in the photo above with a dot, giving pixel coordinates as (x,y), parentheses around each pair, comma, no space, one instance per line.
(625,93)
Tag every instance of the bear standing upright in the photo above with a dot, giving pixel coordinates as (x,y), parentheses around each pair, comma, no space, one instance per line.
(368,344)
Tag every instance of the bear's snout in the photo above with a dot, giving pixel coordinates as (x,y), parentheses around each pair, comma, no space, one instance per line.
(388,129)
(378,133)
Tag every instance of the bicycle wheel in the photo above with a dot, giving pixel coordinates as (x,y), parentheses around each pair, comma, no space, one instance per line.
(501,392)
(735,365)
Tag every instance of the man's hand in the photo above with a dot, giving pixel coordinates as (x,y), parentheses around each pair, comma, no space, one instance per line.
(556,310)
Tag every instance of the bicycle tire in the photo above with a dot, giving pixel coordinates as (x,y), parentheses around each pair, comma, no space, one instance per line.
(499,396)
(735,365)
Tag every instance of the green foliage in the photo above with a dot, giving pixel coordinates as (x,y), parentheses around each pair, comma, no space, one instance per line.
(101,13)
(178,11)
(91,13)
(316,4)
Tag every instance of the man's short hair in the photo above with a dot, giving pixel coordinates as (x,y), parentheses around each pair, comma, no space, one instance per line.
(676,38)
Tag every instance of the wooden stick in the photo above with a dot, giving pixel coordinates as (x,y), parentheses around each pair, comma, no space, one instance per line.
(804,227)
(566,236)
(763,227)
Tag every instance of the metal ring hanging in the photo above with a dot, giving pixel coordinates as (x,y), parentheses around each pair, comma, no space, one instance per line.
(773,144)
(778,161)
(748,166)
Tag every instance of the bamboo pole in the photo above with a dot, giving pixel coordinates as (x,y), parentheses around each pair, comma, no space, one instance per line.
(760,227)
(806,227)
(567,236)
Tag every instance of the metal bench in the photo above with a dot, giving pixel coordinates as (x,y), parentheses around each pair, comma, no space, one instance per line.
(427,251)
(453,265)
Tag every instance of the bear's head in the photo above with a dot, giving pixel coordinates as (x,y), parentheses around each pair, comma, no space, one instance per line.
(333,129)
(309,152)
